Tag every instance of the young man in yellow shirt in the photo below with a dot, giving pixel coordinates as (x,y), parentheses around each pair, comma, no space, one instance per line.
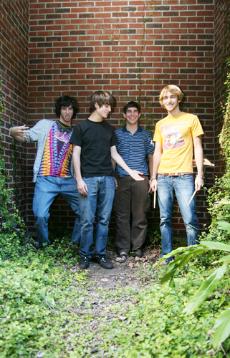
(177,137)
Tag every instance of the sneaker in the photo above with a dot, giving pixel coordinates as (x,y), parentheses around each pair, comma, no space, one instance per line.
(41,245)
(84,262)
(122,257)
(168,260)
(105,262)
(137,253)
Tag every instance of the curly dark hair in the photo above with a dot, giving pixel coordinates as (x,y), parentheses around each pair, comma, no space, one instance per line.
(66,101)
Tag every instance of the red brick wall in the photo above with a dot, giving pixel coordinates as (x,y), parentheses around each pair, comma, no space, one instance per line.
(132,48)
(129,47)
(14,50)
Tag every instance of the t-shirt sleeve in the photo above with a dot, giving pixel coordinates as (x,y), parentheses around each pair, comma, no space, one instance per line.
(157,135)
(113,139)
(76,137)
(116,132)
(33,134)
(149,143)
(197,129)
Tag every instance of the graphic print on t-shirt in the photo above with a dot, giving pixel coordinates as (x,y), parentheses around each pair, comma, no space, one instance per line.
(57,152)
(62,136)
(172,137)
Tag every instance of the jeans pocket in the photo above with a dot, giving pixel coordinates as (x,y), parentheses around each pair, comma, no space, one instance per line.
(188,178)
(161,178)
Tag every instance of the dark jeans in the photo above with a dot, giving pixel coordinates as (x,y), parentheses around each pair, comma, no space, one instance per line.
(96,209)
(131,205)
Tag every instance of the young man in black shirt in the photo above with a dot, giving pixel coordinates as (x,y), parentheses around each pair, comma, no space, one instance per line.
(94,147)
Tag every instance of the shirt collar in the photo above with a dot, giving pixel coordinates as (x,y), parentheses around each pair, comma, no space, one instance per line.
(139,129)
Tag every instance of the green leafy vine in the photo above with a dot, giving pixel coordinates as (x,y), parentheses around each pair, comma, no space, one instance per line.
(12,226)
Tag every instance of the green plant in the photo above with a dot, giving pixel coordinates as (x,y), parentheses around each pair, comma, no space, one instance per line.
(39,294)
(219,194)
(12,228)
(216,278)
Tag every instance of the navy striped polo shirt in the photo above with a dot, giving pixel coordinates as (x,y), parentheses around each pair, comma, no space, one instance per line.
(134,149)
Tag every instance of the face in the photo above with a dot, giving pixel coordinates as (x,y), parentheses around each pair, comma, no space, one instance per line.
(103,111)
(66,115)
(132,115)
(170,102)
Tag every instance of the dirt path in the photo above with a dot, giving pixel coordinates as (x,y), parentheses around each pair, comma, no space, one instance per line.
(127,274)
(109,294)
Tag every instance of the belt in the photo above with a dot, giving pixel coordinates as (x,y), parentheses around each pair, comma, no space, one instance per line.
(128,176)
(174,174)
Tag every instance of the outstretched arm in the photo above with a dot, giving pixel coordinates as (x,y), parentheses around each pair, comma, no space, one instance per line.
(18,133)
(199,159)
(118,159)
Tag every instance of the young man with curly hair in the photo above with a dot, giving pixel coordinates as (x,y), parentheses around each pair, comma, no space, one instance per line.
(52,167)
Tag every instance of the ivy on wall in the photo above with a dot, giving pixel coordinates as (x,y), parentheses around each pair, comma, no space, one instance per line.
(219,194)
(12,227)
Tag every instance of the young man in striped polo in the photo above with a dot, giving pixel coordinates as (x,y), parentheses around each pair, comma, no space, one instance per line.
(135,146)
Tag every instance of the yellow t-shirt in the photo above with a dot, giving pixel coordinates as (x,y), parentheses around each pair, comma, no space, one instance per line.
(175,134)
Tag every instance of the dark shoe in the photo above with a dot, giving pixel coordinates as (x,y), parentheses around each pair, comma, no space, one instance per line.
(137,253)
(84,262)
(40,245)
(74,243)
(122,257)
(168,260)
(37,245)
(105,262)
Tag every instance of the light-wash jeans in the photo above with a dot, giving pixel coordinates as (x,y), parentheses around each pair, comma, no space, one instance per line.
(183,187)
(95,210)
(46,190)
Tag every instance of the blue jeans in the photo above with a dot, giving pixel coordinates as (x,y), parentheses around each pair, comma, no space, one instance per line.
(95,210)
(46,190)
(183,186)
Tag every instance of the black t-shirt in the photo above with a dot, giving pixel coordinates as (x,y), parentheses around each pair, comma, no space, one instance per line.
(95,140)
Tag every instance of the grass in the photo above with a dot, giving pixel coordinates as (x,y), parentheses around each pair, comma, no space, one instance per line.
(49,308)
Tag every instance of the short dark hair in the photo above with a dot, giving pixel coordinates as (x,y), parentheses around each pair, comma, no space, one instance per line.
(101,98)
(130,105)
(66,101)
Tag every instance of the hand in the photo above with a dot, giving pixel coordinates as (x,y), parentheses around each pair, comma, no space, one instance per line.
(152,185)
(199,182)
(136,175)
(82,187)
(18,131)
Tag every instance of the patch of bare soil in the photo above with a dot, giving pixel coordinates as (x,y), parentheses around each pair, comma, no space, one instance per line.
(110,293)
(127,274)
